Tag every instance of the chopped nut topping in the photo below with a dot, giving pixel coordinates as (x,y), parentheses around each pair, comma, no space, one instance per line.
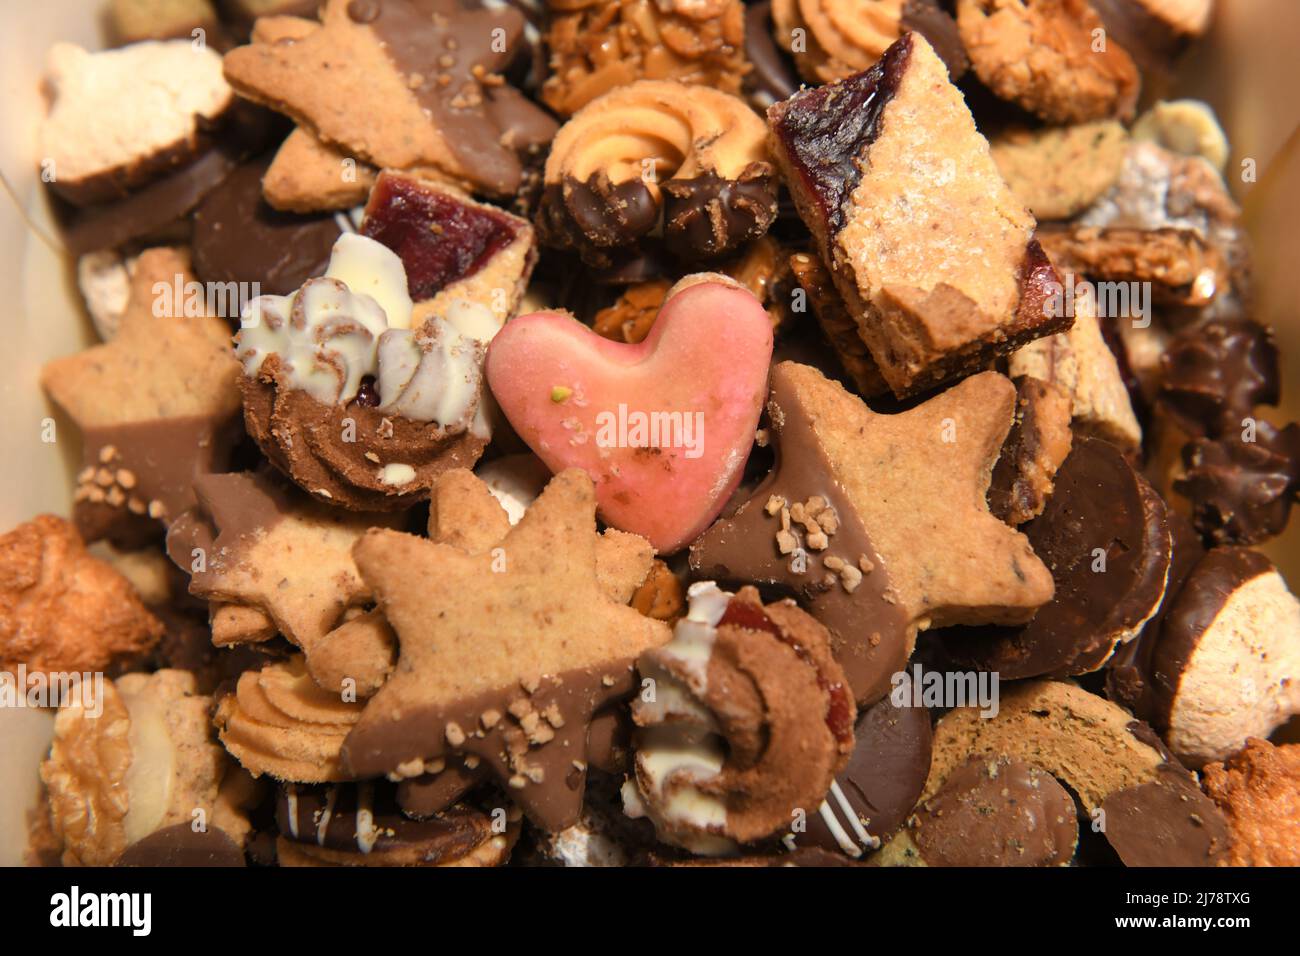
(774,505)
(455,736)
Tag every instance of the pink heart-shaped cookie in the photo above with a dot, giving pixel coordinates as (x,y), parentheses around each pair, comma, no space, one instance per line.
(663,427)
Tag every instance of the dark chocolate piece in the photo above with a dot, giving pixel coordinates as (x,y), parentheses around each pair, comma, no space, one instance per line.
(147,212)
(1213,375)
(1242,491)
(1101,509)
(239,238)
(1153,43)
(180,845)
(1128,672)
(880,785)
(1000,812)
(708,216)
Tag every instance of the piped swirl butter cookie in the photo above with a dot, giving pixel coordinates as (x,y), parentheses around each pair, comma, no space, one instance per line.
(747,720)
(693,157)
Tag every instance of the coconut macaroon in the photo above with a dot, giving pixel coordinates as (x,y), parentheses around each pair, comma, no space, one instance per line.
(1223,668)
(119,118)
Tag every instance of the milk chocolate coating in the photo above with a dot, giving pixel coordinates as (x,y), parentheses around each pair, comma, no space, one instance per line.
(166,456)
(180,845)
(1099,502)
(1213,375)
(1207,589)
(997,813)
(239,238)
(1242,491)
(1166,822)
(884,777)
(431,793)
(868,632)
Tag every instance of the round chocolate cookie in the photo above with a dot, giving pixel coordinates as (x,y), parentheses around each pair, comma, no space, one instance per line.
(362,825)
(1166,822)
(1105,537)
(874,794)
(239,238)
(1001,812)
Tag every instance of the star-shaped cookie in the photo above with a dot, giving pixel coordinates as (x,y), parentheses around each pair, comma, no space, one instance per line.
(157,405)
(505,654)
(263,545)
(432,96)
(878,523)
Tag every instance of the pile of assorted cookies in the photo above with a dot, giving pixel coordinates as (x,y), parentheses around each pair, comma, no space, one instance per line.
(658,432)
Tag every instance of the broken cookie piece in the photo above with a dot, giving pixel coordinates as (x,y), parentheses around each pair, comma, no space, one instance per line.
(308,175)
(1082,363)
(884,165)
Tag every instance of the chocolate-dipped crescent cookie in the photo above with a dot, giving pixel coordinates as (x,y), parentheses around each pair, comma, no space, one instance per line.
(695,156)
(1105,537)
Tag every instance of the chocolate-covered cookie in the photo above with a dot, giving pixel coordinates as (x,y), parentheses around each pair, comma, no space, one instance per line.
(1105,537)
(362,825)
(239,238)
